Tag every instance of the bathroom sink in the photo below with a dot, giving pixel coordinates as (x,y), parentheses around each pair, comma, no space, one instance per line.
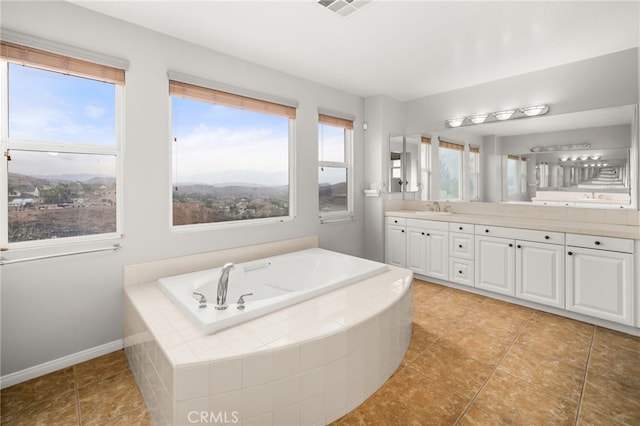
(432,213)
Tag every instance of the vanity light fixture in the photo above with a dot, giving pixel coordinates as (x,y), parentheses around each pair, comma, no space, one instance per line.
(564,158)
(478,118)
(584,157)
(504,115)
(532,111)
(574,158)
(455,122)
(507,114)
(595,157)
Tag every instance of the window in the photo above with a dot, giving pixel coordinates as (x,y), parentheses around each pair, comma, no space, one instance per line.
(61,146)
(450,170)
(334,166)
(425,168)
(474,173)
(231,157)
(513,161)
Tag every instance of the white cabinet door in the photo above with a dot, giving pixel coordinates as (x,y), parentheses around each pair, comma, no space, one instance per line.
(396,246)
(417,250)
(600,284)
(540,273)
(437,254)
(495,264)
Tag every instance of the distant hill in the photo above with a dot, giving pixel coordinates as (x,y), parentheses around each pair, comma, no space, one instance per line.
(22,182)
(234,190)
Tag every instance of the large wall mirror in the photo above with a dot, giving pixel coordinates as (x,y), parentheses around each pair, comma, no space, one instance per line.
(583,159)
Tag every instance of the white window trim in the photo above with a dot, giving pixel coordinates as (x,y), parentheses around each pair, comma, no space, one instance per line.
(326,217)
(30,145)
(199,227)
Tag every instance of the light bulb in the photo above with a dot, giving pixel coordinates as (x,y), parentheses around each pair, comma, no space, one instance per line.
(455,122)
(478,118)
(503,115)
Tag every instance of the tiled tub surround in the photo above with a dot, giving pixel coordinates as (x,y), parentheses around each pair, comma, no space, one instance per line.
(307,364)
(619,223)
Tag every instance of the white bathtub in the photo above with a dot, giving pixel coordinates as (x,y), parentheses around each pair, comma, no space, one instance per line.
(276,282)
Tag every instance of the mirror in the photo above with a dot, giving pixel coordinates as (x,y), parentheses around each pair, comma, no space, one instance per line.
(582,159)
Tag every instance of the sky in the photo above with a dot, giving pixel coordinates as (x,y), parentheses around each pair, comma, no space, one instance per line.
(216,144)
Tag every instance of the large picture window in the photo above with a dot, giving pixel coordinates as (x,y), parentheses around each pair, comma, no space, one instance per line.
(334,166)
(450,170)
(231,157)
(61,146)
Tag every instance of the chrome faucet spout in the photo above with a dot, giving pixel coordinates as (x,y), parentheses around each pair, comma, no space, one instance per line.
(223,283)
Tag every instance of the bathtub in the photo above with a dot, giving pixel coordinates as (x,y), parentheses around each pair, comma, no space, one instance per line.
(276,282)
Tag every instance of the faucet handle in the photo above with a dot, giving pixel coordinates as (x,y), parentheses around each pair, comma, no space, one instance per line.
(241,300)
(202,300)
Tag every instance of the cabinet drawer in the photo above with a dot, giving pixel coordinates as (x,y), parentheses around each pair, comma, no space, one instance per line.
(521,234)
(461,271)
(463,228)
(396,221)
(428,224)
(600,243)
(461,245)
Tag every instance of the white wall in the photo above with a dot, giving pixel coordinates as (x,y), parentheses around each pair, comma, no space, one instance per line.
(53,308)
(604,81)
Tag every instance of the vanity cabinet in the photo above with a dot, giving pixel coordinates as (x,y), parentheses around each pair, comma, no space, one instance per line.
(495,264)
(428,248)
(396,242)
(540,272)
(599,277)
(525,263)
(461,254)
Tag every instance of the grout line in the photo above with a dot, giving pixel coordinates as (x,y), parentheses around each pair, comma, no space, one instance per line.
(76,394)
(475,397)
(586,374)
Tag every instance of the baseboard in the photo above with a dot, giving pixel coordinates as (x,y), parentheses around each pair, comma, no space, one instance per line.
(57,364)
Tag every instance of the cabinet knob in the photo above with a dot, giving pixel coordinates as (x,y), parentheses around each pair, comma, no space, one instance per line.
(459,245)
(486,230)
(428,235)
(402,230)
(519,246)
(570,253)
(423,233)
(546,237)
(460,228)
(510,245)
(395,221)
(459,272)
(597,243)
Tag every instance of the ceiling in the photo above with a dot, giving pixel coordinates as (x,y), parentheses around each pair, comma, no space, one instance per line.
(404,49)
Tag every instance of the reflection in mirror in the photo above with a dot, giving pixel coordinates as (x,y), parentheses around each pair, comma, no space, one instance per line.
(583,159)
(396,173)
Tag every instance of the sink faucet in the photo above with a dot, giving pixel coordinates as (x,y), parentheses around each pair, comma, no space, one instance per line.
(223,282)
(436,206)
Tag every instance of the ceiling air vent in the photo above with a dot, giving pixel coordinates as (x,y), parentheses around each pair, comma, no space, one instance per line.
(344,8)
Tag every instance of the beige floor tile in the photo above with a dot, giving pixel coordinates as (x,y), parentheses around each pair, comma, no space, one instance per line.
(107,400)
(617,365)
(514,401)
(608,402)
(369,413)
(496,324)
(474,344)
(553,376)
(416,400)
(572,350)
(24,395)
(615,340)
(477,415)
(101,368)
(58,409)
(453,368)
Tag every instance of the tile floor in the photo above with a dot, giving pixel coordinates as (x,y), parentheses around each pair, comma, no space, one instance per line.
(472,360)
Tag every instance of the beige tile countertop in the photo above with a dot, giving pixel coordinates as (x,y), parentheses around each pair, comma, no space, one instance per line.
(544,224)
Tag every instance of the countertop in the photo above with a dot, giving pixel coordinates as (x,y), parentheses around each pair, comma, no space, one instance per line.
(558,225)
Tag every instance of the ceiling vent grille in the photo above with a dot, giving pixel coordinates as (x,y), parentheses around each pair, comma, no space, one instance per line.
(344,8)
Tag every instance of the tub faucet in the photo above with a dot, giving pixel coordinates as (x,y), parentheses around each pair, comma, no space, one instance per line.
(223,282)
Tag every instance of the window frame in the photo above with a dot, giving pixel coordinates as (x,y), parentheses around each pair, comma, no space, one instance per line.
(198,83)
(347,126)
(8,144)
